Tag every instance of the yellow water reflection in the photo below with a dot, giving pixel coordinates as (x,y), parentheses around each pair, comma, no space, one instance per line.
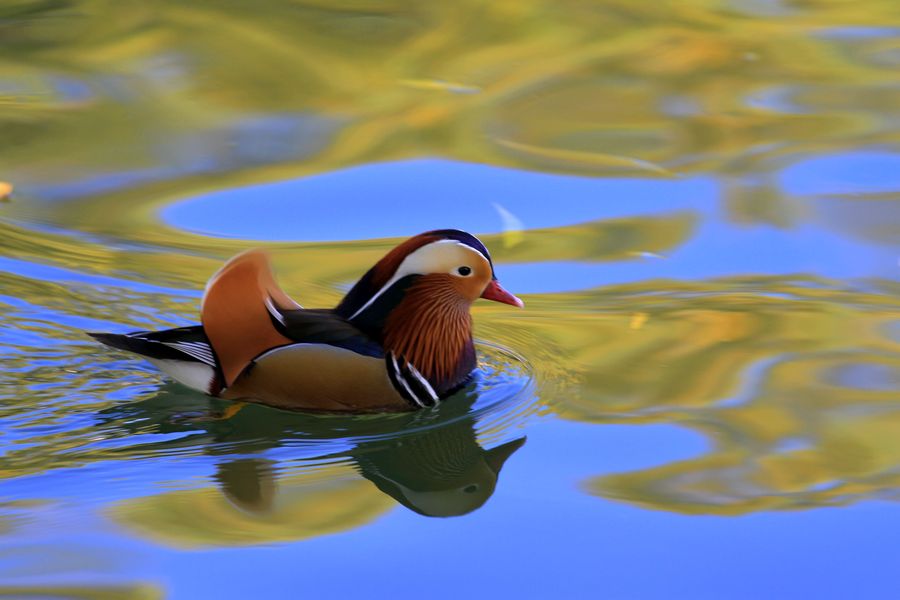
(87,592)
(792,382)
(439,471)
(598,88)
(315,503)
(114,110)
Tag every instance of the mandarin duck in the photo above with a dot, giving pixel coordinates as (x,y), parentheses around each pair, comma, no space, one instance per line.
(401,338)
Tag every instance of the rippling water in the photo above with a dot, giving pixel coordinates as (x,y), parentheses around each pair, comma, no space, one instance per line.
(697,200)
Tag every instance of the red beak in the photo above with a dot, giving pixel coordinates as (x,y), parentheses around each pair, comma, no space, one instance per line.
(494,291)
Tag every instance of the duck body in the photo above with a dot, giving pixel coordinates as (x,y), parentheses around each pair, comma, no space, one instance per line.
(401,339)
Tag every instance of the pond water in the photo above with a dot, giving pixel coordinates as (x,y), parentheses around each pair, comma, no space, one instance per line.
(698,202)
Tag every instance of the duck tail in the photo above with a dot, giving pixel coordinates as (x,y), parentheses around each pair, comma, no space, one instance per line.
(184,353)
(237,312)
(117,340)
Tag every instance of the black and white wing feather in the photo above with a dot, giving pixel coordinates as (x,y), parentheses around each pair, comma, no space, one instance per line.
(409,382)
(184,353)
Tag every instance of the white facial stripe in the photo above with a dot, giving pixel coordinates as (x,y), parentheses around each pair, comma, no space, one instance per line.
(475,250)
(422,261)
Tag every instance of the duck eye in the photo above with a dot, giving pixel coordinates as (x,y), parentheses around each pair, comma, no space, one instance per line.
(464,271)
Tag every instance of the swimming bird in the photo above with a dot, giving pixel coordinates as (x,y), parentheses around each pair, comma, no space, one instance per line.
(401,339)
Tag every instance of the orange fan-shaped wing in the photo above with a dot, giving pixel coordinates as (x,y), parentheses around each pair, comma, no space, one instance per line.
(236,311)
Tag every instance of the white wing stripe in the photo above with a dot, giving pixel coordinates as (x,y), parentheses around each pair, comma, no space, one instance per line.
(423,381)
(198,350)
(276,314)
(402,381)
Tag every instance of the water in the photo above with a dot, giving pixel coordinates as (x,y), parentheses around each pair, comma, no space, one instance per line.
(698,202)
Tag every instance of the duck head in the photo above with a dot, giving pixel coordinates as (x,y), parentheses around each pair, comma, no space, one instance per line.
(416,302)
(448,257)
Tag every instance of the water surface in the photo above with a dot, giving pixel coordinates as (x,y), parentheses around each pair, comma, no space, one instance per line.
(697,200)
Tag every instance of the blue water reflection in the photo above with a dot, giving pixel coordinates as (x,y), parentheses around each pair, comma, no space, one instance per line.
(712,412)
(404,198)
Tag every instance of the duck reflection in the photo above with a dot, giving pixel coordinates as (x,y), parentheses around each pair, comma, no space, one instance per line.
(444,473)
(438,473)
(248,483)
(430,462)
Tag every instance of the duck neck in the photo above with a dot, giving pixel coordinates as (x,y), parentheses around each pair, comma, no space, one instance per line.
(432,329)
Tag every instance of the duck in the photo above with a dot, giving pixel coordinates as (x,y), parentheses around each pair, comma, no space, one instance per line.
(400,340)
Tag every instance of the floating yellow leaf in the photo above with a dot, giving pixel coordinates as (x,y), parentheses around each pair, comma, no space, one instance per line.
(638,320)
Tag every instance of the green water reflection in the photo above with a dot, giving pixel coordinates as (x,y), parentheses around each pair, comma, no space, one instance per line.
(435,467)
(111,111)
